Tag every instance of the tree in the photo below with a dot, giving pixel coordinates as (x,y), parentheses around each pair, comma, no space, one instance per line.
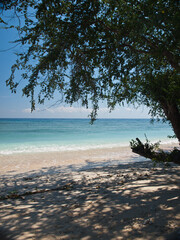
(91,50)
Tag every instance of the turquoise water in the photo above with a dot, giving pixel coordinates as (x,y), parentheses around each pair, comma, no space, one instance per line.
(45,135)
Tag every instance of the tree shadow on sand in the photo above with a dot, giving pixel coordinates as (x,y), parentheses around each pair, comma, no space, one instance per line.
(115,202)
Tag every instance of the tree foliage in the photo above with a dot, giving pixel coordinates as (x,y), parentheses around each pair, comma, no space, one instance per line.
(91,50)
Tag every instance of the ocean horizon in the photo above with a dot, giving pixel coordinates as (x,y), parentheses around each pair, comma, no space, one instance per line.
(28,135)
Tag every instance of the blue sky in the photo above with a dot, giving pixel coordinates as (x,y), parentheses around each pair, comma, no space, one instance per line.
(16,106)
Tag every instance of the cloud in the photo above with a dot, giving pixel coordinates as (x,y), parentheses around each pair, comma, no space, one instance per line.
(68,110)
(26,110)
(75,110)
(60,109)
(78,110)
(103,110)
(129,109)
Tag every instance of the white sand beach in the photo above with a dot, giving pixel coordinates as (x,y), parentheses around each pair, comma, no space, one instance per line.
(11,164)
(83,195)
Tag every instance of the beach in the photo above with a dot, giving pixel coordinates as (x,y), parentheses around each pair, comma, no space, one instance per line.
(19,163)
(65,160)
(93,194)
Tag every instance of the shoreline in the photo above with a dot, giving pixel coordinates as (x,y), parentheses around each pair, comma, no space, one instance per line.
(73,148)
(28,163)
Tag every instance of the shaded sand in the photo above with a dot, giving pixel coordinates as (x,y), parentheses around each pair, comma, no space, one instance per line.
(88,195)
(127,201)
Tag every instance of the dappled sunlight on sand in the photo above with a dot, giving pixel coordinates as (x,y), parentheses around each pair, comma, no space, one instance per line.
(130,201)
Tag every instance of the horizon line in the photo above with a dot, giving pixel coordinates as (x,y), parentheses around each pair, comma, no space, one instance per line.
(66,118)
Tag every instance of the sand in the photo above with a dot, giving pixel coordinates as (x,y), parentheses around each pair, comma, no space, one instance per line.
(69,160)
(90,199)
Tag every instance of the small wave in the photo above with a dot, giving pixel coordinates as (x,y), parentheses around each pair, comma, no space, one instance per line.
(56,148)
(167,141)
(8,150)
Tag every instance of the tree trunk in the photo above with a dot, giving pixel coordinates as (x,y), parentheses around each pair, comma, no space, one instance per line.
(173,115)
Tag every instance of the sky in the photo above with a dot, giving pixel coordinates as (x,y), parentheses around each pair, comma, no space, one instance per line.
(16,106)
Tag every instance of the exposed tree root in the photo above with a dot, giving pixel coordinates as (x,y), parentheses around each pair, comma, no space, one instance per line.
(153,152)
(15,195)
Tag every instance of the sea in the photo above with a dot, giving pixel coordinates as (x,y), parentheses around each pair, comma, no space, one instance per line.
(52,135)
